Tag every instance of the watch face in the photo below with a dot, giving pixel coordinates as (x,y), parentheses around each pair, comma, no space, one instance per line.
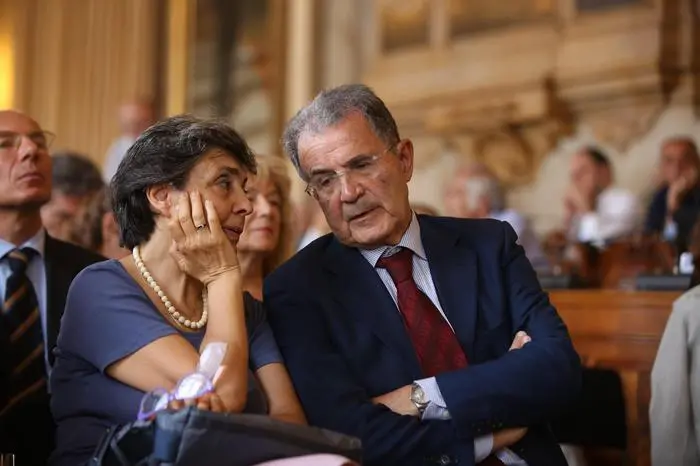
(418,395)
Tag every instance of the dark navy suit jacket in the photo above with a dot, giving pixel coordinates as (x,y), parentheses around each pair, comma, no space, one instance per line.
(28,430)
(685,217)
(343,341)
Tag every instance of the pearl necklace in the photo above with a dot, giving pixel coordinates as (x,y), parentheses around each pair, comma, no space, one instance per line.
(177,317)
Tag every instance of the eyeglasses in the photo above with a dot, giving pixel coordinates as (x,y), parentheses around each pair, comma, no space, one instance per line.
(13,140)
(324,185)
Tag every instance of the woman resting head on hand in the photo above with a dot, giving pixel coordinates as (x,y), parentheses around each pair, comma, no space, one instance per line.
(139,324)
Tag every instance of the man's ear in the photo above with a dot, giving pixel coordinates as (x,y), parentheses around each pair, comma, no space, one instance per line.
(405,153)
(161,199)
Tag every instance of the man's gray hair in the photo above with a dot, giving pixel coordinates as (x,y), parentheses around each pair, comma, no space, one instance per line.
(486,186)
(331,107)
(481,182)
(495,195)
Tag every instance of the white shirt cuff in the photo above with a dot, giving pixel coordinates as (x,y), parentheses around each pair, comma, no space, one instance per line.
(588,228)
(437,408)
(482,447)
(670,230)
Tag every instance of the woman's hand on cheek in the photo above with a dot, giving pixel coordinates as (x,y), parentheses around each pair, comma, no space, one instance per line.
(200,246)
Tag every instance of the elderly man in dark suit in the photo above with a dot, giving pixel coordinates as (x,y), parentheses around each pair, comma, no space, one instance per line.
(674,207)
(397,328)
(35,273)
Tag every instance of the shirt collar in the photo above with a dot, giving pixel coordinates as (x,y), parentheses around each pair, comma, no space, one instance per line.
(410,240)
(36,242)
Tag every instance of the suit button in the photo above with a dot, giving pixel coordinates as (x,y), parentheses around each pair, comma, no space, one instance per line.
(444,460)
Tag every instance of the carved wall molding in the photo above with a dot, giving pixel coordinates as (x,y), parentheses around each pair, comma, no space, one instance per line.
(509,132)
(512,153)
(620,127)
(514,89)
(633,62)
(427,150)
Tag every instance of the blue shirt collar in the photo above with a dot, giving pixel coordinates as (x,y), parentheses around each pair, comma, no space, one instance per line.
(411,240)
(36,242)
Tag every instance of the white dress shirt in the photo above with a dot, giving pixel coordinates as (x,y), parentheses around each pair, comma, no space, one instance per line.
(36,272)
(615,215)
(437,408)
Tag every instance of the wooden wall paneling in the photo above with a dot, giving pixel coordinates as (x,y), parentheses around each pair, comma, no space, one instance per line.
(78,60)
(180,33)
(6,54)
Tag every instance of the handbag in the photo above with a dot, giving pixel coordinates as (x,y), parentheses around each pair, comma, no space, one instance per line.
(190,437)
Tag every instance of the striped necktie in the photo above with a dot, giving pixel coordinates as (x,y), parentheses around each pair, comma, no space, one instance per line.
(21,324)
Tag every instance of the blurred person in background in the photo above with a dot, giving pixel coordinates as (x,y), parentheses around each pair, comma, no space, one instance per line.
(674,207)
(134,118)
(596,211)
(75,180)
(474,192)
(267,239)
(97,228)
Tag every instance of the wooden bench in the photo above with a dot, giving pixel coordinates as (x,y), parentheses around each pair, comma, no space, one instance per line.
(620,330)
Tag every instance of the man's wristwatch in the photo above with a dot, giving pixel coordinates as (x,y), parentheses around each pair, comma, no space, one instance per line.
(418,398)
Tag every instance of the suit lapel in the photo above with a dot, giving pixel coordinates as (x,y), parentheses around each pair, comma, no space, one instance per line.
(358,289)
(57,284)
(454,273)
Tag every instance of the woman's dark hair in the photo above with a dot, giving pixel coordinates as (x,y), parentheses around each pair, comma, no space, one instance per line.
(165,154)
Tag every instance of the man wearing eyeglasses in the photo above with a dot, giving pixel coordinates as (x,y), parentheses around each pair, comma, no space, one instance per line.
(429,338)
(35,273)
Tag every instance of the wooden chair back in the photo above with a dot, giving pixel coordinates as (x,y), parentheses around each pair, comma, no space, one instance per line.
(620,330)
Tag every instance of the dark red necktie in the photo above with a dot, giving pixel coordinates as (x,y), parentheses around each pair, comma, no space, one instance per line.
(435,343)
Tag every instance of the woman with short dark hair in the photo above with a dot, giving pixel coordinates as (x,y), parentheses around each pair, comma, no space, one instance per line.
(138,324)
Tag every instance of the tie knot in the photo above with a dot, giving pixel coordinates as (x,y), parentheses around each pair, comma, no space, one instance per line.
(399,265)
(19,259)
